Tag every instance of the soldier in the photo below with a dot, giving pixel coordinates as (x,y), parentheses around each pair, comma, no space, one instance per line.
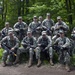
(63,44)
(20,28)
(48,23)
(60,25)
(55,37)
(53,40)
(40,19)
(33,25)
(44,45)
(39,29)
(5,30)
(10,45)
(29,44)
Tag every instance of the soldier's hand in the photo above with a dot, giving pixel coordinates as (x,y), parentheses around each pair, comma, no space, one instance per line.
(39,44)
(46,48)
(16,29)
(12,49)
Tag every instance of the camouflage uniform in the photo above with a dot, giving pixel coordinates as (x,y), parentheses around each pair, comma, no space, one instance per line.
(5,31)
(7,44)
(63,47)
(32,27)
(39,28)
(48,25)
(60,25)
(29,45)
(20,29)
(40,20)
(45,44)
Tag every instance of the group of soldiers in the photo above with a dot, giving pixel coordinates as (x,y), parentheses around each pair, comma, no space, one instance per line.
(39,37)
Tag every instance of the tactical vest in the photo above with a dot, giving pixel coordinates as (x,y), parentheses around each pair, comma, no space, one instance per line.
(44,42)
(29,41)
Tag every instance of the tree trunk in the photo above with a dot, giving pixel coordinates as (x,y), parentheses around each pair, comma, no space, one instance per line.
(23,7)
(19,8)
(27,5)
(70,12)
(69,9)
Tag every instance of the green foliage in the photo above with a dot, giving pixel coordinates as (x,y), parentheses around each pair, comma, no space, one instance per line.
(14,8)
(73,60)
(1,52)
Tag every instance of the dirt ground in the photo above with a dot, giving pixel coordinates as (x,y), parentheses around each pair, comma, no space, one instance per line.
(22,69)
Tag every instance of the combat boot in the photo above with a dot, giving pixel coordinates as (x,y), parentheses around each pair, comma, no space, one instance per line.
(30,63)
(51,62)
(16,61)
(39,63)
(4,64)
(67,68)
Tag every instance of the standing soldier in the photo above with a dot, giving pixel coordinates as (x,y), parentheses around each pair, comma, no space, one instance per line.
(39,29)
(33,26)
(5,30)
(60,25)
(20,28)
(40,19)
(63,44)
(48,23)
(44,45)
(29,44)
(10,45)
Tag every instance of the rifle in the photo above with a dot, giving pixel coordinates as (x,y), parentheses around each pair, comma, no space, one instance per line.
(27,45)
(8,49)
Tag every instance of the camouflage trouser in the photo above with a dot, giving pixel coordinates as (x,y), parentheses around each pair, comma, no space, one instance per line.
(8,56)
(23,50)
(38,51)
(5,55)
(64,57)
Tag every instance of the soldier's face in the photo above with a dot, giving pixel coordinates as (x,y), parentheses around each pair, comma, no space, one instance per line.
(44,35)
(40,19)
(61,34)
(11,36)
(48,16)
(19,20)
(29,34)
(7,25)
(35,19)
(59,20)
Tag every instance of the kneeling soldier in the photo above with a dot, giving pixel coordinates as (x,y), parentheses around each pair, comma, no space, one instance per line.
(10,45)
(29,44)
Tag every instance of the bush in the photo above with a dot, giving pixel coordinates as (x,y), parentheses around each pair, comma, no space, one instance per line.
(1,52)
